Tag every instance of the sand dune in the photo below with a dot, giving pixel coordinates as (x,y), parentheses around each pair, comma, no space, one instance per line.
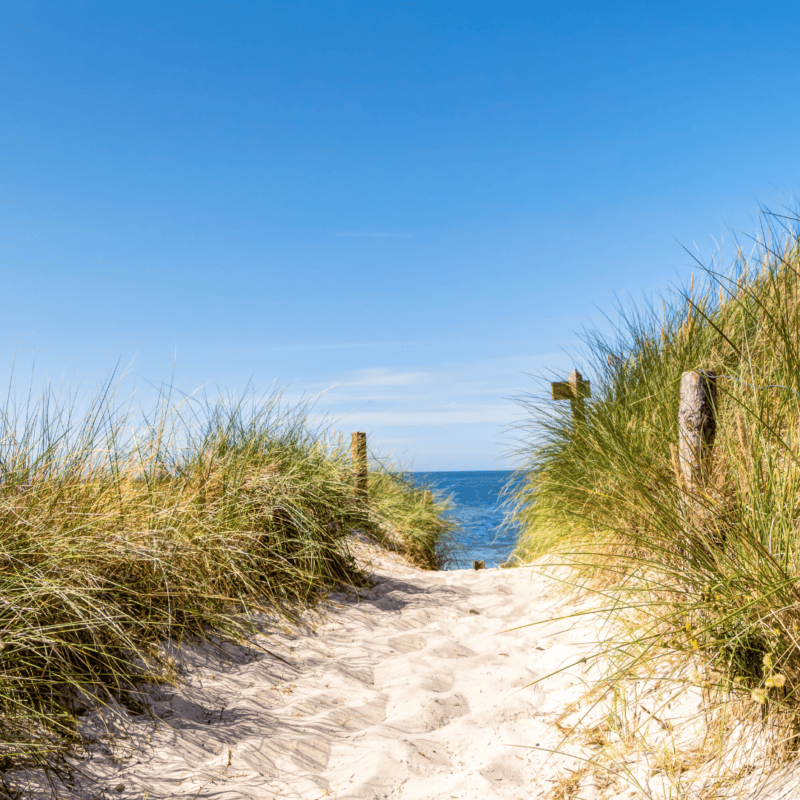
(415,689)
(422,687)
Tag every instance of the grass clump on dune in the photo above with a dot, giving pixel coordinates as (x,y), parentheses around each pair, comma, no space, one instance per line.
(428,533)
(115,538)
(714,582)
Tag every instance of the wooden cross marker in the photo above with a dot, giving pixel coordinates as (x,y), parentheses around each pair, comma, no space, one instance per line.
(576,390)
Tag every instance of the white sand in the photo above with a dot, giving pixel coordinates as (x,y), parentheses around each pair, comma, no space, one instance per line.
(422,687)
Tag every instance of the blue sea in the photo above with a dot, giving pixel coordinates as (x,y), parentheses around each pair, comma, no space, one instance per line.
(477,498)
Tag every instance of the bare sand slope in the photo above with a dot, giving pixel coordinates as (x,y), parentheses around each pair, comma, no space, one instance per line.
(416,688)
(428,685)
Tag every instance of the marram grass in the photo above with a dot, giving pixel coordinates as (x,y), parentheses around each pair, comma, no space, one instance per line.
(715,581)
(115,538)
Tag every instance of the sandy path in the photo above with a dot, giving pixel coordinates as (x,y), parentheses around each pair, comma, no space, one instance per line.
(414,689)
(423,687)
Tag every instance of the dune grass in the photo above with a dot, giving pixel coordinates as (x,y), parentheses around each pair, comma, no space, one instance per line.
(714,582)
(410,517)
(120,530)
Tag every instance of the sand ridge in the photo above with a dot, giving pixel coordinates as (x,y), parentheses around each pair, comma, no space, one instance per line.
(415,688)
(426,685)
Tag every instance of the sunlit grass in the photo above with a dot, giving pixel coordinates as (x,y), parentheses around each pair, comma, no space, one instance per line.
(119,531)
(713,582)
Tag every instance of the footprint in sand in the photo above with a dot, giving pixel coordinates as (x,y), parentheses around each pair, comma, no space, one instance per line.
(452,651)
(408,643)
(422,714)
(437,683)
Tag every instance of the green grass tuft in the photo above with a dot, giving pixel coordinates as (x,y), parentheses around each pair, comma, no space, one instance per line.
(715,581)
(116,535)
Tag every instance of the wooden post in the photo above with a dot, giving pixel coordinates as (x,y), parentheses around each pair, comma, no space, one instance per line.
(576,390)
(697,427)
(478,565)
(358,458)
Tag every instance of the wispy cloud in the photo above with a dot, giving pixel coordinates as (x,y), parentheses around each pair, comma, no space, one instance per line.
(374,234)
(489,414)
(331,346)
(379,376)
(473,383)
(346,345)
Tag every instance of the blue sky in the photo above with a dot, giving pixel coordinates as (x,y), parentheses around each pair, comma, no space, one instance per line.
(405,208)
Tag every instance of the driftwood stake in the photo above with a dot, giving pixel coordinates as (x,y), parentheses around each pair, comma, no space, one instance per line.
(358,457)
(697,427)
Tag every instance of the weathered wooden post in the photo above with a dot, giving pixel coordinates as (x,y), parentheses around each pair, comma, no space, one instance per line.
(358,458)
(576,390)
(697,428)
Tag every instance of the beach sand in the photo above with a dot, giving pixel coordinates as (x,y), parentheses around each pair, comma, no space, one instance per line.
(427,685)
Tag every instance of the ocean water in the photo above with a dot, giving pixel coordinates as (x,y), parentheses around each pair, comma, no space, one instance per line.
(477,497)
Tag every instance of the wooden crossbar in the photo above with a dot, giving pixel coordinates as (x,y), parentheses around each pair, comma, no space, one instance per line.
(576,389)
